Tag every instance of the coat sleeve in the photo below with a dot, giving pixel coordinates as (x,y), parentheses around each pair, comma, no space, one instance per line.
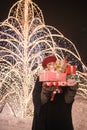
(70,93)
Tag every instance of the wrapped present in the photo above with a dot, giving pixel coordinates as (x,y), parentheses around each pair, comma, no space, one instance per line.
(71,69)
(51,76)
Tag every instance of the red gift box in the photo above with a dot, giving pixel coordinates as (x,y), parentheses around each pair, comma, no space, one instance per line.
(71,69)
(52,76)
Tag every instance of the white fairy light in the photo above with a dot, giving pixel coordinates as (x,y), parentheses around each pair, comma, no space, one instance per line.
(24,41)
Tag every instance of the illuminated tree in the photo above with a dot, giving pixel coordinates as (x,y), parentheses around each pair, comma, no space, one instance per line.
(24,41)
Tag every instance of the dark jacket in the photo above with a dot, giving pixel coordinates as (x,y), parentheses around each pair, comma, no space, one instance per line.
(52,115)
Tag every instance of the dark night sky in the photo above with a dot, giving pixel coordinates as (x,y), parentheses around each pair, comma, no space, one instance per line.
(70,18)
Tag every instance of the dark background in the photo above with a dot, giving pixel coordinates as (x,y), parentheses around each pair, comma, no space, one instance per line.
(69,17)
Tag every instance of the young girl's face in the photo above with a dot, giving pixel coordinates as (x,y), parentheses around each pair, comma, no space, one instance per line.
(51,66)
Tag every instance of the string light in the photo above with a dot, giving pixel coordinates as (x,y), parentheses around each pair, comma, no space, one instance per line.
(24,41)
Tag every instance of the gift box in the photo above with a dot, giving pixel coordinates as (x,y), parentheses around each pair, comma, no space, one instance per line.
(52,76)
(71,69)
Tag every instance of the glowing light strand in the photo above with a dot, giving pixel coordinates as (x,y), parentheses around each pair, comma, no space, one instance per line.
(24,41)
